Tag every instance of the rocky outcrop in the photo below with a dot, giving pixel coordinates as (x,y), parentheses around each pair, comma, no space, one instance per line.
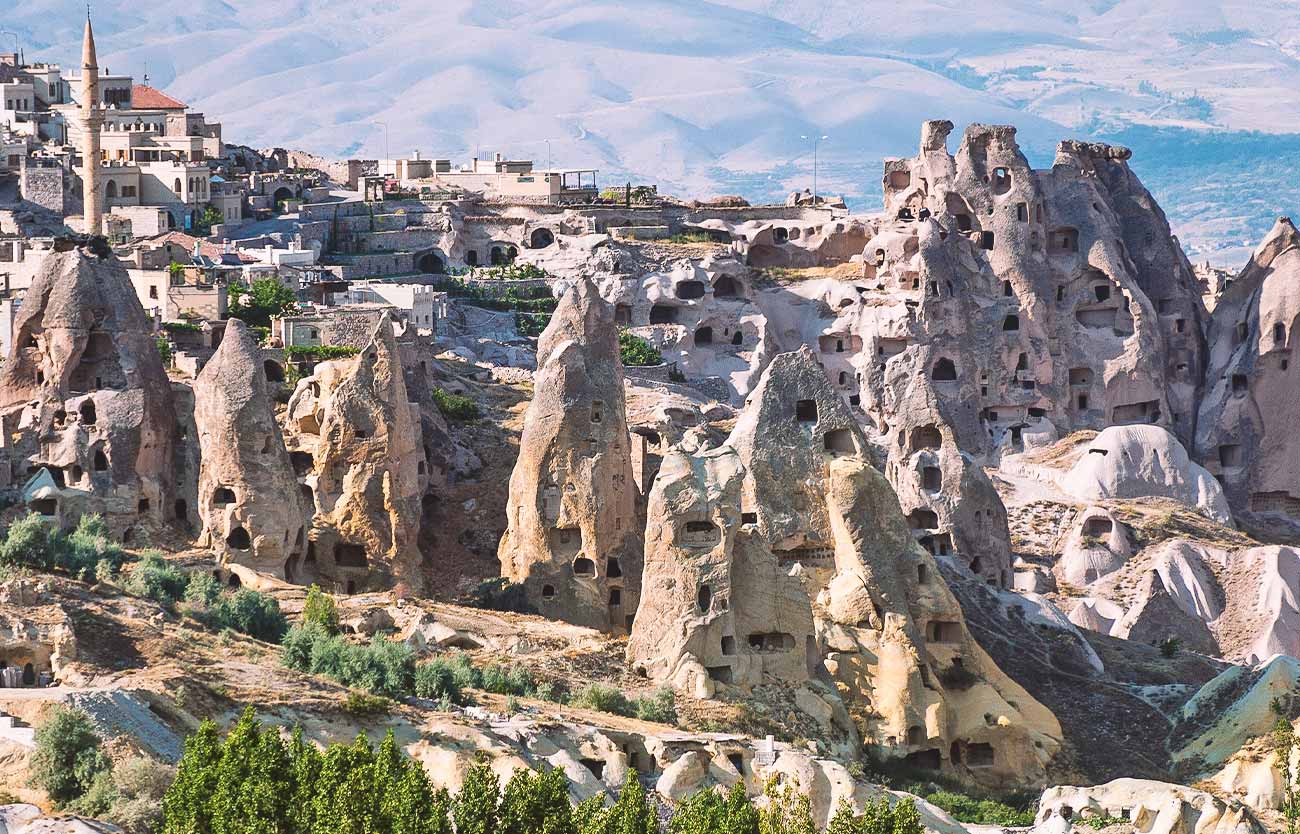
(784,554)
(1246,430)
(249,498)
(354,439)
(84,398)
(1151,807)
(1128,462)
(573,536)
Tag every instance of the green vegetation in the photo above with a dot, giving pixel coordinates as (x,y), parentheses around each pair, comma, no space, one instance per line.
(154,578)
(511,272)
(636,352)
(182,327)
(690,237)
(979,811)
(1098,823)
(533,299)
(1169,646)
(455,406)
(320,610)
(164,351)
(363,705)
(257,304)
(531,325)
(69,756)
(175,270)
(380,667)
(660,707)
(129,796)
(210,217)
(255,781)
(35,544)
(1284,743)
(319,353)
(641,194)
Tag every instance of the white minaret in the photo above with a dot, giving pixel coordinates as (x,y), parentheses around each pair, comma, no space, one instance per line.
(92,119)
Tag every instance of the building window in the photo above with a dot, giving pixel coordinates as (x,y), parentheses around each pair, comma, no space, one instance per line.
(153,292)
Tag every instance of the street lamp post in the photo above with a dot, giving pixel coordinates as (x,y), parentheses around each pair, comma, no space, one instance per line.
(815,140)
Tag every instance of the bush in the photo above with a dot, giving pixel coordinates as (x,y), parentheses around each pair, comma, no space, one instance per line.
(258,303)
(661,707)
(320,610)
(33,543)
(249,612)
(635,351)
(500,594)
(202,589)
(319,353)
(980,811)
(436,680)
(68,757)
(130,796)
(362,705)
(604,698)
(164,351)
(381,667)
(156,579)
(454,406)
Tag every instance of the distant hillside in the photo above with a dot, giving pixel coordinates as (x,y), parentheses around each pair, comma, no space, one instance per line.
(706,98)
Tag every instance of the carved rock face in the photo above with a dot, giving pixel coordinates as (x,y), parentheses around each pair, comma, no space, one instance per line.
(573,537)
(248,495)
(355,442)
(783,554)
(85,396)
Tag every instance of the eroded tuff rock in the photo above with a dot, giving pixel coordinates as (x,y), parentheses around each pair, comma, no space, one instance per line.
(573,539)
(1246,434)
(1152,807)
(1145,461)
(783,553)
(84,396)
(354,439)
(248,495)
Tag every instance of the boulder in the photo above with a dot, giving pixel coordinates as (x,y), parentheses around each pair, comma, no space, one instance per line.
(1151,807)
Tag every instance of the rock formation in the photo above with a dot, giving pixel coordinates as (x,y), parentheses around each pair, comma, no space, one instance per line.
(1246,432)
(248,495)
(1145,461)
(1151,807)
(83,395)
(354,440)
(573,537)
(784,554)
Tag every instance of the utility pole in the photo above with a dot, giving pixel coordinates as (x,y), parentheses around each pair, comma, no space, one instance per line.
(815,140)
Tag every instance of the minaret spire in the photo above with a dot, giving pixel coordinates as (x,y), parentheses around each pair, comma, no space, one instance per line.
(92,118)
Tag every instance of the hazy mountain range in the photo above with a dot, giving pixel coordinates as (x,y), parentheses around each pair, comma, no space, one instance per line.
(713,97)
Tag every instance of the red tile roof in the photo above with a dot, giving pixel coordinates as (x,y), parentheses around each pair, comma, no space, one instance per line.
(144,97)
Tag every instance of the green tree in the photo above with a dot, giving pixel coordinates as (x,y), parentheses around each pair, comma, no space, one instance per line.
(907,819)
(536,803)
(343,804)
(632,813)
(702,813)
(304,773)
(68,756)
(475,808)
(229,815)
(741,816)
(320,610)
(258,303)
(787,811)
(634,350)
(186,806)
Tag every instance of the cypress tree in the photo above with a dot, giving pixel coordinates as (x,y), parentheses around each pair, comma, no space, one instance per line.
(236,764)
(632,813)
(304,771)
(475,808)
(186,804)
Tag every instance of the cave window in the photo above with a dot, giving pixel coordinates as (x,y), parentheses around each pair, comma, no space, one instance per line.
(931,478)
(221,496)
(704,598)
(471,258)
(737,338)
(1022,362)
(101,462)
(839,442)
(915,735)
(923,574)
(944,371)
(1180,325)
(87,411)
(843,378)
(780,234)
(749,518)
(725,287)
(1022,212)
(1064,240)
(1102,292)
(239,539)
(963,223)
(548,592)
(923,519)
(612,568)
(308,497)
(1243,331)
(703,336)
(1279,335)
(142,506)
(348,555)
(805,411)
(1001,180)
(690,290)
(582,566)
(986,240)
(597,411)
(926,437)
(615,597)
(663,314)
(1011,323)
(1007,290)
(1239,383)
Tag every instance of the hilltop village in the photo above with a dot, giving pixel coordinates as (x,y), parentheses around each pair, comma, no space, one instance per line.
(991,491)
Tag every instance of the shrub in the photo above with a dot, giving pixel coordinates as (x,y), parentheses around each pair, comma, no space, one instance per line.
(32,543)
(635,351)
(164,351)
(319,353)
(957,677)
(320,609)
(182,327)
(249,612)
(363,705)
(381,667)
(1169,646)
(604,698)
(259,302)
(454,406)
(980,811)
(202,589)
(436,680)
(129,796)
(661,707)
(68,756)
(156,579)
